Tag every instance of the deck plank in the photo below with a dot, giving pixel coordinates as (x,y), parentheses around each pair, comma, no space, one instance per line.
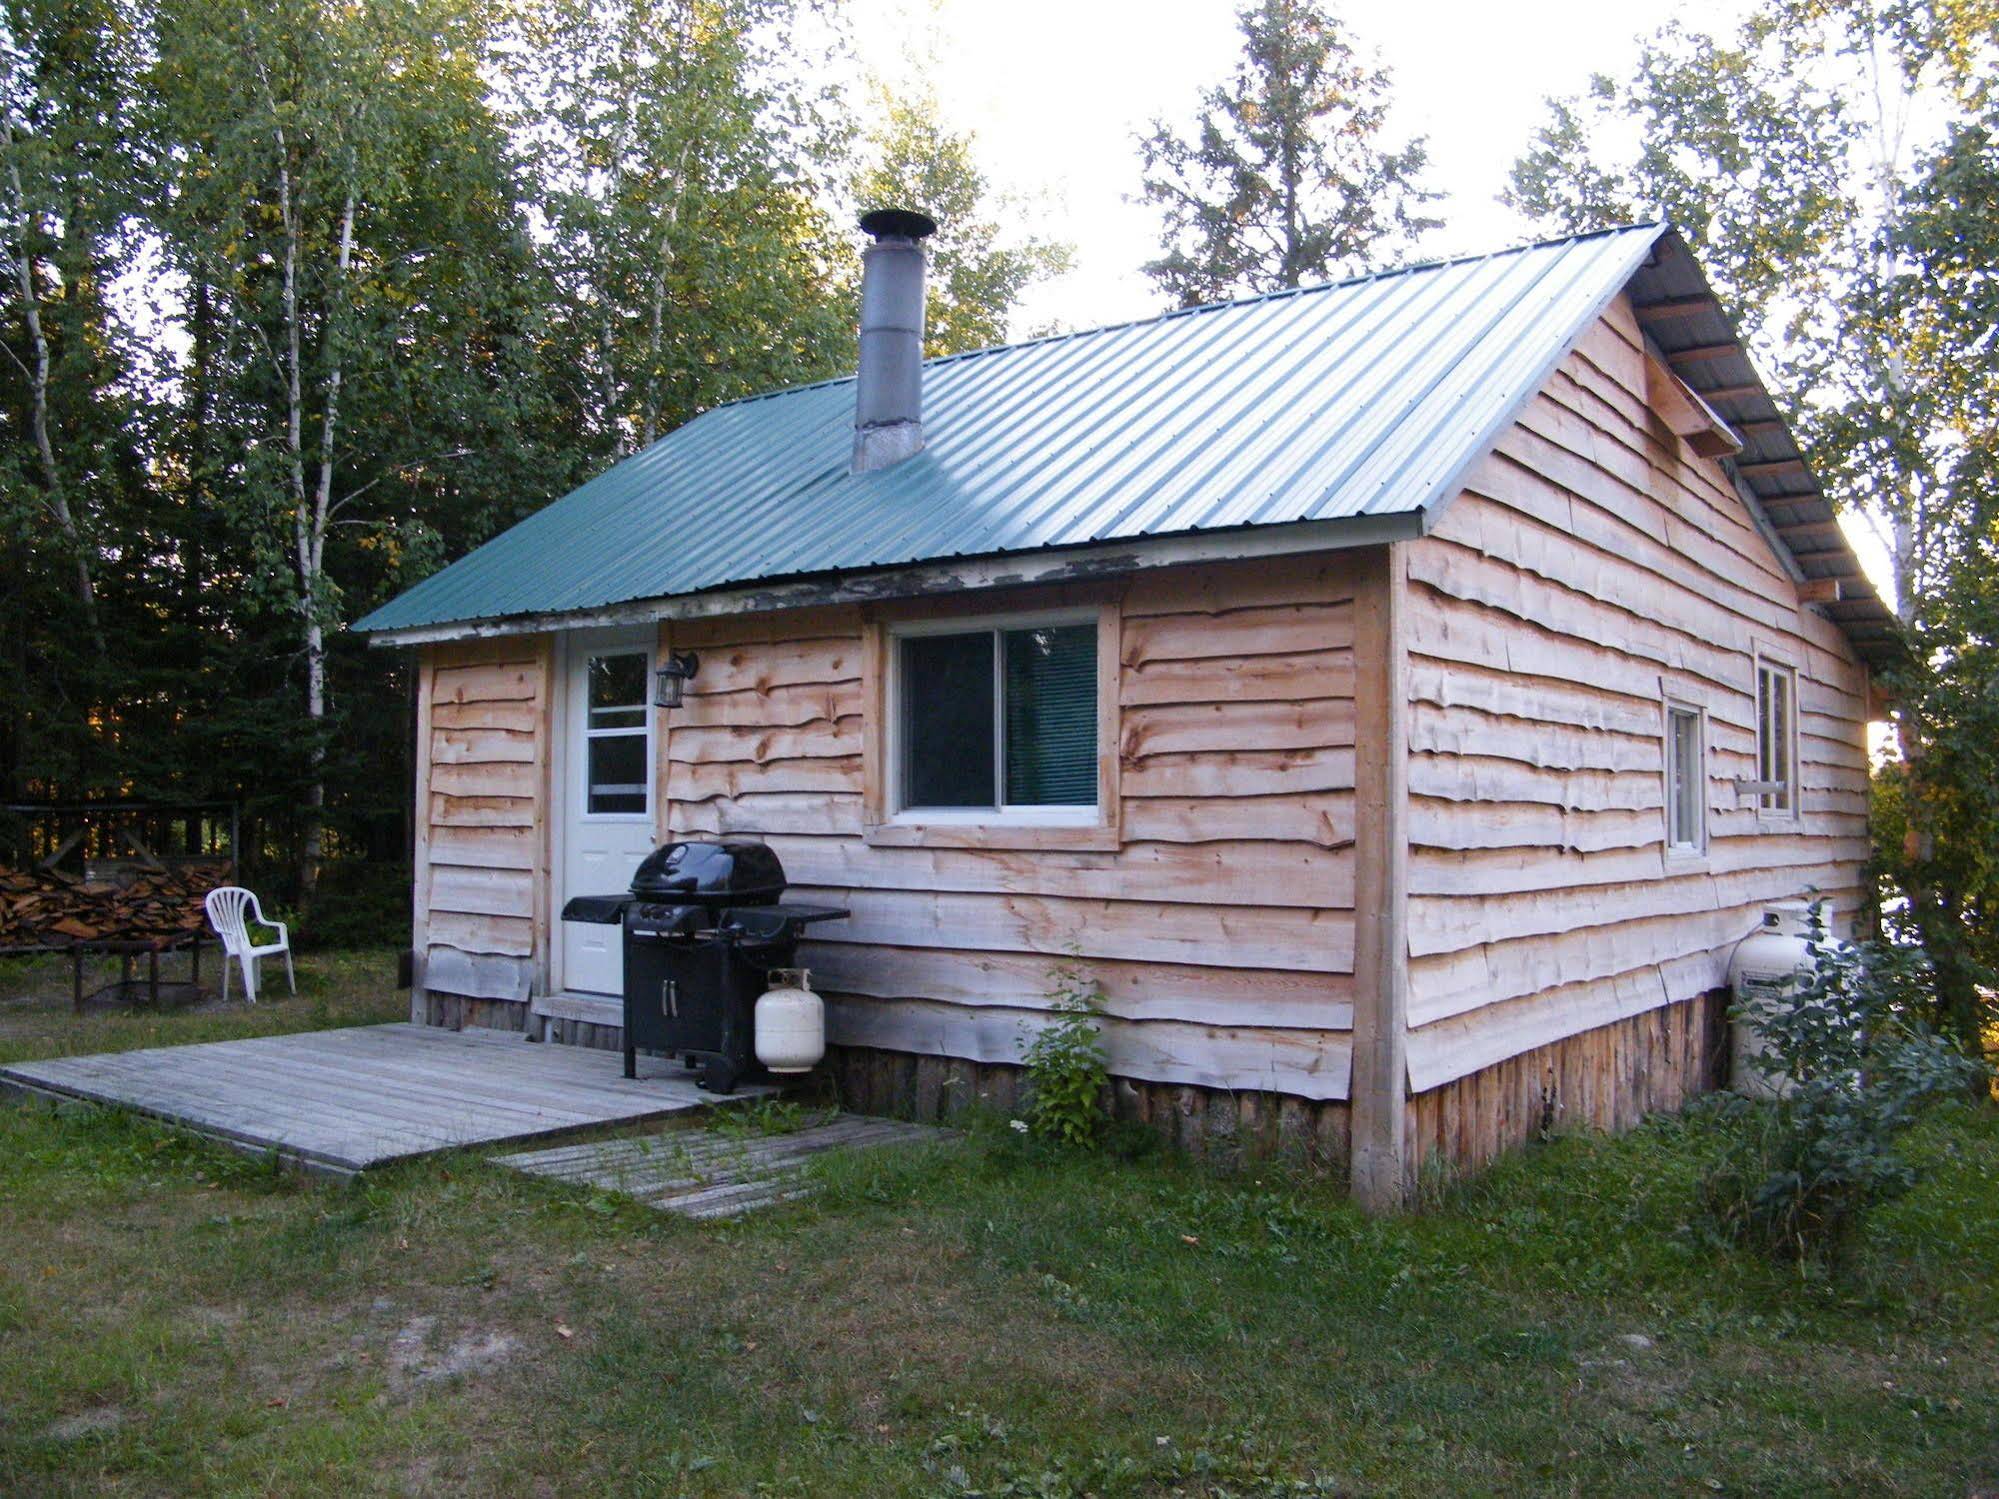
(344,1100)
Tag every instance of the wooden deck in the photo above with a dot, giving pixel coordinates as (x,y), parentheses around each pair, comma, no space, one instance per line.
(705,1173)
(340,1101)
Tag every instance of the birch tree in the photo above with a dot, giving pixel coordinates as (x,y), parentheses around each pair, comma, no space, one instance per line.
(65,74)
(681,160)
(308,138)
(979,265)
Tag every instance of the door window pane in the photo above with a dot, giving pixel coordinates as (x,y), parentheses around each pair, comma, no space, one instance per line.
(1051,716)
(617,773)
(946,691)
(618,691)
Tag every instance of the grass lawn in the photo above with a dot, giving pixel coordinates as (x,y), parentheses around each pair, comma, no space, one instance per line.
(984,1317)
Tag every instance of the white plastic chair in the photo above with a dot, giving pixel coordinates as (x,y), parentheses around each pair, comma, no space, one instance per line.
(225,905)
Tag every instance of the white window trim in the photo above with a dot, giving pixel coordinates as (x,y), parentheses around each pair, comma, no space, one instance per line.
(579,666)
(1765,660)
(1004,815)
(1682,854)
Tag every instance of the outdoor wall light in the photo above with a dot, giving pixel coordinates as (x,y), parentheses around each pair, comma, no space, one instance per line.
(674,673)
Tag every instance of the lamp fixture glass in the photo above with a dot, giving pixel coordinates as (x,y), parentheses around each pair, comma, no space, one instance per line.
(674,674)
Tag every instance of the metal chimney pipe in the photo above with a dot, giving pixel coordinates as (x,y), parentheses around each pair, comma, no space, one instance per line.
(888,391)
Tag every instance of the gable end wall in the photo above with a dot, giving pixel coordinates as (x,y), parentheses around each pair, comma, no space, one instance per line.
(1592,567)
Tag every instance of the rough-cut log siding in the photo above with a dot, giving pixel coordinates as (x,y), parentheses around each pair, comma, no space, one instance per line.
(1608,1078)
(1221,927)
(481,872)
(1593,566)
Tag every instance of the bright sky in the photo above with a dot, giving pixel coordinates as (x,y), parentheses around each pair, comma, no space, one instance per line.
(1055,92)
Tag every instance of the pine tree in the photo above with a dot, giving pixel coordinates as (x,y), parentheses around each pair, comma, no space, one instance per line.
(1285,176)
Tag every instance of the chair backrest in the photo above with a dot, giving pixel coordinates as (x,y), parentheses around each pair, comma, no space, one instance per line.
(225,905)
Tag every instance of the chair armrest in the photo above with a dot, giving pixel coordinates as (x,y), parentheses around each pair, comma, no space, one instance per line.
(284,936)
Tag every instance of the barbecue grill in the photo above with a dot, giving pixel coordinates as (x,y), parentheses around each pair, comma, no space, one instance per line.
(703,925)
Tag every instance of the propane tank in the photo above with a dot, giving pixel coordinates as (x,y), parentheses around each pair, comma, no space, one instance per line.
(1768,968)
(790,1022)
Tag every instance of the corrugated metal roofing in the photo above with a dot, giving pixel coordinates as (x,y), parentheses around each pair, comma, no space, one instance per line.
(1362,398)
(1356,398)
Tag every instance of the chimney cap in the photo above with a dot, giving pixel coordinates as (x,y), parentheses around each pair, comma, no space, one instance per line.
(898,223)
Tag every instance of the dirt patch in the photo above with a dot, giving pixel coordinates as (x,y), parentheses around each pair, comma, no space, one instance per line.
(90,1423)
(420,1355)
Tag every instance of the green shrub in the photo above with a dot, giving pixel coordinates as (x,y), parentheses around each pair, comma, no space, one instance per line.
(1067,1069)
(1859,1065)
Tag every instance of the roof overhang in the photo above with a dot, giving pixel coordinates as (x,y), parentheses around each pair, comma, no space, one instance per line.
(956,575)
(1684,320)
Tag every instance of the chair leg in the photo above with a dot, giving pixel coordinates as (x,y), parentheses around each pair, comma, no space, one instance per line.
(290,977)
(249,978)
(225,977)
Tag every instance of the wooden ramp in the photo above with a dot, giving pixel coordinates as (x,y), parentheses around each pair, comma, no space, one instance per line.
(711,1173)
(340,1101)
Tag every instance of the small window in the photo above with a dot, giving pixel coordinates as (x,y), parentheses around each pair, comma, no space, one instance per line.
(1686,780)
(999,719)
(615,735)
(1776,739)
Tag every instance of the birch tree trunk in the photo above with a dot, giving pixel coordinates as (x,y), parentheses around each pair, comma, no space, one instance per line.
(21,264)
(311,507)
(310,533)
(662,268)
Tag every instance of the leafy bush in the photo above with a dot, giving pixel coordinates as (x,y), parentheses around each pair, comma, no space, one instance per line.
(1067,1069)
(1855,1065)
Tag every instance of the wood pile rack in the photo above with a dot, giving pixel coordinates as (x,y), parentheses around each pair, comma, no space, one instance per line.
(113,877)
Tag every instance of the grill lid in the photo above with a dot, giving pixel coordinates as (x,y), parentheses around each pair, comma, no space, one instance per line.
(696,872)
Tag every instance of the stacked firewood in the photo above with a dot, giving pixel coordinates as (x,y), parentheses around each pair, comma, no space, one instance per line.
(47,908)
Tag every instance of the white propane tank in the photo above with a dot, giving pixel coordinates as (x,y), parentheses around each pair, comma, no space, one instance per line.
(1766,971)
(790,1022)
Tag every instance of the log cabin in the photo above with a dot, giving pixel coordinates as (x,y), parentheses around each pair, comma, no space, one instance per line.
(1398,695)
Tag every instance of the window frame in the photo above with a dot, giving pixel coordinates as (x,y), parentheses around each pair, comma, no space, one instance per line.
(886,822)
(1671,709)
(1785,670)
(588,651)
(1002,814)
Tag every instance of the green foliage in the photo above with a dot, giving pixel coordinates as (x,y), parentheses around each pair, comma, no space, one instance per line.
(1067,1070)
(977,273)
(762,1117)
(1284,176)
(678,154)
(1853,1064)
(310,299)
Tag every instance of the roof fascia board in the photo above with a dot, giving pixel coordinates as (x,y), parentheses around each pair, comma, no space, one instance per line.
(1057,565)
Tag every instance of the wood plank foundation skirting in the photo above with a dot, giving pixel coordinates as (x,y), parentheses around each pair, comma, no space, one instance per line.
(456,1012)
(1606,1079)
(1218,1124)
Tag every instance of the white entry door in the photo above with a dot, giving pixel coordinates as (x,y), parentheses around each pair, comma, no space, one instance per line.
(608,794)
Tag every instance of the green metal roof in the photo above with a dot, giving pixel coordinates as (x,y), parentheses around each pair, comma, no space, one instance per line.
(1364,398)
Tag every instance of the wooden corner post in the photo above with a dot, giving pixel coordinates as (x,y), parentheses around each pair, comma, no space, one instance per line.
(1377,1093)
(426,691)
